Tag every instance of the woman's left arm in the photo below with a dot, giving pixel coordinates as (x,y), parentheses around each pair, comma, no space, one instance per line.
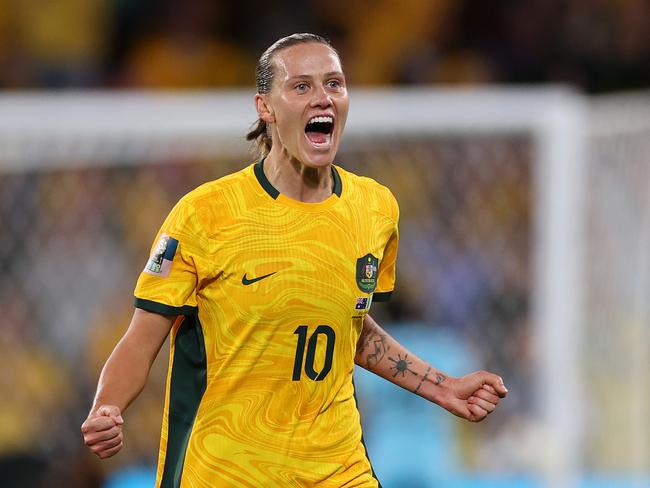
(471,397)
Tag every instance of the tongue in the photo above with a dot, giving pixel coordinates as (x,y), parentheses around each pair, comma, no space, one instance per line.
(317,137)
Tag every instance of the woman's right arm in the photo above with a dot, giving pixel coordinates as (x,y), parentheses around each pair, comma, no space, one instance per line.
(122,379)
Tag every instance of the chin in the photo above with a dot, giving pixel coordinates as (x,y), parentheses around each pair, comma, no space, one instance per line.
(318,161)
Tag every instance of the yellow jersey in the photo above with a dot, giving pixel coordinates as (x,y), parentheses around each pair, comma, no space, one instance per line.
(270,295)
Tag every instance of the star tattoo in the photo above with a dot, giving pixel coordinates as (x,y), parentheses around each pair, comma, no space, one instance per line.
(401,365)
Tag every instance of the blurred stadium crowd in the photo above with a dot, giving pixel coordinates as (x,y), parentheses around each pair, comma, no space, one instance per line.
(74,241)
(600,45)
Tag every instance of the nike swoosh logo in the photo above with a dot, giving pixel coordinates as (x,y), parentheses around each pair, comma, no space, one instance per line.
(246,281)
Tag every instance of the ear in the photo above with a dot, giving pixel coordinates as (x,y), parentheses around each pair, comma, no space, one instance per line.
(264,109)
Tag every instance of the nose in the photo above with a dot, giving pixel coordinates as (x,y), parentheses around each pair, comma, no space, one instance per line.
(320,98)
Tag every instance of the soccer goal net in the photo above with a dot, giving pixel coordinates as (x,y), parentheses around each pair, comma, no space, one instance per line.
(524,249)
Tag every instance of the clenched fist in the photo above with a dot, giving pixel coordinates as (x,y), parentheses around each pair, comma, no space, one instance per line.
(102,431)
(474,396)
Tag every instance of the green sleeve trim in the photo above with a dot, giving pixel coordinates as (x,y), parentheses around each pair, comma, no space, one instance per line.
(161,308)
(381,297)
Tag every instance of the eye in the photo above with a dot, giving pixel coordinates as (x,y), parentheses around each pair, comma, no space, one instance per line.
(301,87)
(334,84)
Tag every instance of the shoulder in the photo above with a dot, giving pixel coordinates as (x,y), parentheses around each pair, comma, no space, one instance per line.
(370,193)
(223,188)
(217,202)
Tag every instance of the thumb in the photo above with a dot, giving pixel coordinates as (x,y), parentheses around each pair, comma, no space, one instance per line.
(111,411)
(490,381)
(495,383)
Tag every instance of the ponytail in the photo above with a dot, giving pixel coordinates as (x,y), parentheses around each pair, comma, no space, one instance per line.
(261,139)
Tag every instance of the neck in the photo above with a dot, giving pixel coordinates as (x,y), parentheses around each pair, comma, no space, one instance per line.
(296,180)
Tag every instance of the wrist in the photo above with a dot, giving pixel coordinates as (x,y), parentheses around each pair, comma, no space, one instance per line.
(444,392)
(435,386)
(93,409)
(104,404)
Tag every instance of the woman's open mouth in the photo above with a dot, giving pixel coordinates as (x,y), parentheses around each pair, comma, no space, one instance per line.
(319,130)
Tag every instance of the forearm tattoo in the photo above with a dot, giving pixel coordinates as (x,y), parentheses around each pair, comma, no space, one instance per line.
(363,341)
(401,365)
(379,345)
(424,378)
(439,378)
(375,344)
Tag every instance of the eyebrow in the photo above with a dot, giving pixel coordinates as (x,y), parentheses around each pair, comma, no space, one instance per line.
(326,75)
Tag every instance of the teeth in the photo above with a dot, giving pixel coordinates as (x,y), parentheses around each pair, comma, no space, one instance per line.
(321,119)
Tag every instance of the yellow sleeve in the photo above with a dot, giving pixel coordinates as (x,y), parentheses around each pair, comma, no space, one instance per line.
(386,273)
(167,284)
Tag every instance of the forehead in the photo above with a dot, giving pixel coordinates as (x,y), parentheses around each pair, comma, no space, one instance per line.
(306,59)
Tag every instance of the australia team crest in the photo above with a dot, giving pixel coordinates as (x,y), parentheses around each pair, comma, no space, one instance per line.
(367,267)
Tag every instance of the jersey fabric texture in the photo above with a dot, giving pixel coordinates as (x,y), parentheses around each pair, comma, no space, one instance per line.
(270,295)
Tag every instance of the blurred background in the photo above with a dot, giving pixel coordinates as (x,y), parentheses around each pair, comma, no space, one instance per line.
(515,135)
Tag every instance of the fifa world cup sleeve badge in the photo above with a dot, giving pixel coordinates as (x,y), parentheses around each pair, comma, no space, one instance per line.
(160,262)
(367,267)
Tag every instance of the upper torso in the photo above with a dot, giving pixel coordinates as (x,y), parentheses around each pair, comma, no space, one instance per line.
(280,289)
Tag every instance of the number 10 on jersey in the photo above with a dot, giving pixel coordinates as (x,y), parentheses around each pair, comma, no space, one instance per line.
(302,332)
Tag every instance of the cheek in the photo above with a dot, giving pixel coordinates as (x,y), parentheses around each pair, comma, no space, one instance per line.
(343,111)
(292,126)
(290,132)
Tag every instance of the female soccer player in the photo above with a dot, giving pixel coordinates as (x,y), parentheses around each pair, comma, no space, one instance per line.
(265,278)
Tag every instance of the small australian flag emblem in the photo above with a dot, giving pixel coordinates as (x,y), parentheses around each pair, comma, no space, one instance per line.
(362,303)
